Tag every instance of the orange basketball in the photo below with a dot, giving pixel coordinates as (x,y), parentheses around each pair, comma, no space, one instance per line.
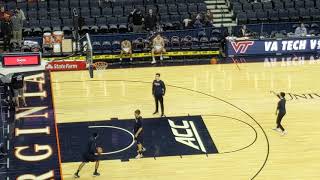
(213,61)
(99,150)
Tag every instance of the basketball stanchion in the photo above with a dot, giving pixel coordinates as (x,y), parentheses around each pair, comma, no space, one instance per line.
(91,67)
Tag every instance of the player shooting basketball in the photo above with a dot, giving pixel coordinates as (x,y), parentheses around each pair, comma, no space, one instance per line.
(126,49)
(91,155)
(158,47)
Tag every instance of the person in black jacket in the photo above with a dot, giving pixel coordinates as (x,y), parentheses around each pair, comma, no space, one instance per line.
(150,21)
(281,112)
(137,21)
(90,155)
(158,91)
(5,28)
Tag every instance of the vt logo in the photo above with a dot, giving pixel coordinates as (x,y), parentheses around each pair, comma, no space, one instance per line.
(187,134)
(241,46)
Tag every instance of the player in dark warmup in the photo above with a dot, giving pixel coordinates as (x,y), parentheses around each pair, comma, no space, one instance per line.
(281,112)
(90,155)
(138,133)
(158,91)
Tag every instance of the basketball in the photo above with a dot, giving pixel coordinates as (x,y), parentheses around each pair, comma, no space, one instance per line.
(99,150)
(213,60)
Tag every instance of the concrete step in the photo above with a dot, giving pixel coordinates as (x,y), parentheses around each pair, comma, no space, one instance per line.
(220,2)
(217,7)
(222,20)
(224,24)
(220,15)
(219,11)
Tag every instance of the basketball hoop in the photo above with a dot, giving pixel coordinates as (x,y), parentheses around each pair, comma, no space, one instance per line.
(100,66)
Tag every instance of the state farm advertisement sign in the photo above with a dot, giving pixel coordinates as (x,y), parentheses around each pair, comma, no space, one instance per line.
(66,66)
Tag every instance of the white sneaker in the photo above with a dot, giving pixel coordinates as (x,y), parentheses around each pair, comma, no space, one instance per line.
(284,133)
(139,156)
(153,61)
(277,129)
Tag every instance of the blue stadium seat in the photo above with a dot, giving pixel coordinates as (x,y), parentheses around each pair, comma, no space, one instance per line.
(162,9)
(118,11)
(273,15)
(64,13)
(252,17)
(56,24)
(107,12)
(64,4)
(43,5)
(175,43)
(262,16)
(97,47)
(54,13)
(172,9)
(67,26)
(315,14)
(304,14)
(283,15)
(186,42)
(46,25)
(84,4)
(95,12)
(113,24)
(53,4)
(116,46)
(101,22)
(309,4)
(288,4)
(242,18)
(299,4)
(85,12)
(257,6)
(32,5)
(267,5)
(106,47)
(293,14)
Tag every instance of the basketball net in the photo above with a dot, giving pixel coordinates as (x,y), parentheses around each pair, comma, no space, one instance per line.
(100,66)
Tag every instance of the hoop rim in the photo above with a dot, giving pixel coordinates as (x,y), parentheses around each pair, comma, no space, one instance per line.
(100,65)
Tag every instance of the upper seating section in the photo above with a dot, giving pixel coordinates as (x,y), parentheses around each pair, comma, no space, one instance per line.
(249,12)
(102,16)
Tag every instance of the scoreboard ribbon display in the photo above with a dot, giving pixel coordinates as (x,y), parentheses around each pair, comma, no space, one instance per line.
(141,55)
(20,59)
(273,47)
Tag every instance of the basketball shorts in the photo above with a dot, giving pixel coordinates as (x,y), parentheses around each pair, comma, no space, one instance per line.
(89,157)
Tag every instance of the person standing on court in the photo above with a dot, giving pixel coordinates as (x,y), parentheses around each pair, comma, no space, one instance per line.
(158,91)
(91,155)
(138,133)
(281,112)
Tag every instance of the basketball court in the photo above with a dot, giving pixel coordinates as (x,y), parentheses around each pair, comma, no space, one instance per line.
(229,112)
